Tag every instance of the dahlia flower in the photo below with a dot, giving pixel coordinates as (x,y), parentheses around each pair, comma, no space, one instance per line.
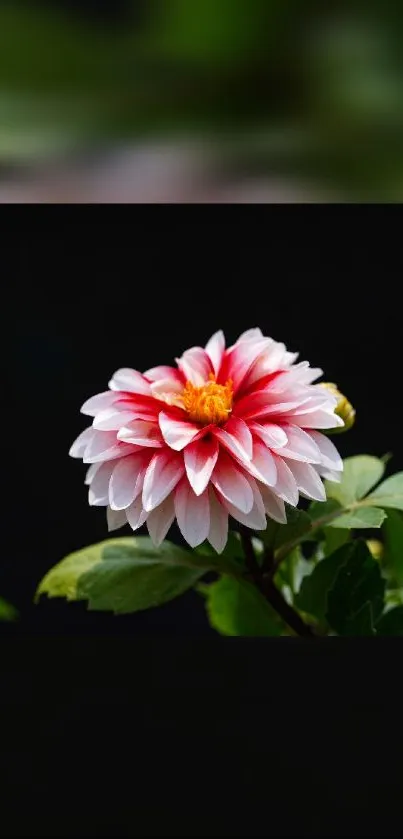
(227,432)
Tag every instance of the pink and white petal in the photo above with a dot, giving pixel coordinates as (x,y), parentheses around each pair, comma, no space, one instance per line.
(300,446)
(215,348)
(126,482)
(142,433)
(256,519)
(163,388)
(218,533)
(330,456)
(100,402)
(270,359)
(200,460)
(135,514)
(164,472)
(232,484)
(80,444)
(286,486)
(104,445)
(317,419)
(237,361)
(264,464)
(159,520)
(111,419)
(130,381)
(98,493)
(329,474)
(192,513)
(91,472)
(196,366)
(178,433)
(115,518)
(236,437)
(274,506)
(308,481)
(250,334)
(273,436)
(155,374)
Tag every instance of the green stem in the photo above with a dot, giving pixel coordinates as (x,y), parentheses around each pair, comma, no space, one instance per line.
(269,591)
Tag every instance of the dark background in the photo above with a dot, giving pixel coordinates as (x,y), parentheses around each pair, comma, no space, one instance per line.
(110,733)
(136,292)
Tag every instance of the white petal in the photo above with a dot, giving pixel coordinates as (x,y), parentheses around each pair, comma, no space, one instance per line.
(330,456)
(104,445)
(98,493)
(100,402)
(215,350)
(141,433)
(115,519)
(126,481)
(80,444)
(286,486)
(164,472)
(130,381)
(272,435)
(256,519)
(112,419)
(250,334)
(195,365)
(218,533)
(200,460)
(91,471)
(177,433)
(263,465)
(300,446)
(317,419)
(274,506)
(192,513)
(308,480)
(135,514)
(236,438)
(159,520)
(232,484)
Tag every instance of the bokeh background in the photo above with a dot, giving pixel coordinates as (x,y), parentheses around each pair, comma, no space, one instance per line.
(201,101)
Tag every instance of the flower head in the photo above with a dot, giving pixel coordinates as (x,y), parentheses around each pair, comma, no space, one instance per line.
(227,432)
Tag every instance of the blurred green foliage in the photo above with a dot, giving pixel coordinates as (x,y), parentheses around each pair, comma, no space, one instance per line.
(307,89)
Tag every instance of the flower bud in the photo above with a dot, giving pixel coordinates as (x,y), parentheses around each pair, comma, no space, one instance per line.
(376,548)
(343,409)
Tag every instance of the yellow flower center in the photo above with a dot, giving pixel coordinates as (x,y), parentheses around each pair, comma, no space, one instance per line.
(209,403)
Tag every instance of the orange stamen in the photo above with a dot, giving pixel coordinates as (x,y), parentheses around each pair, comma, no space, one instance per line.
(211,403)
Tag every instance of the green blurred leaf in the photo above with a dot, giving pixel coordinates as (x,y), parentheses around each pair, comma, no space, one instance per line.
(7,611)
(125,575)
(389,493)
(358,582)
(238,608)
(391,623)
(362,517)
(360,474)
(393,555)
(313,595)
(334,539)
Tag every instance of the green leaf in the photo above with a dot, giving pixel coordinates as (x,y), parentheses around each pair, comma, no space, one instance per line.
(362,517)
(361,623)
(235,607)
(334,539)
(360,474)
(393,556)
(389,493)
(7,611)
(313,595)
(358,582)
(124,575)
(391,623)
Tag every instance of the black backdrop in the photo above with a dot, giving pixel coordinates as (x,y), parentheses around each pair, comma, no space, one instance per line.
(118,736)
(89,299)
